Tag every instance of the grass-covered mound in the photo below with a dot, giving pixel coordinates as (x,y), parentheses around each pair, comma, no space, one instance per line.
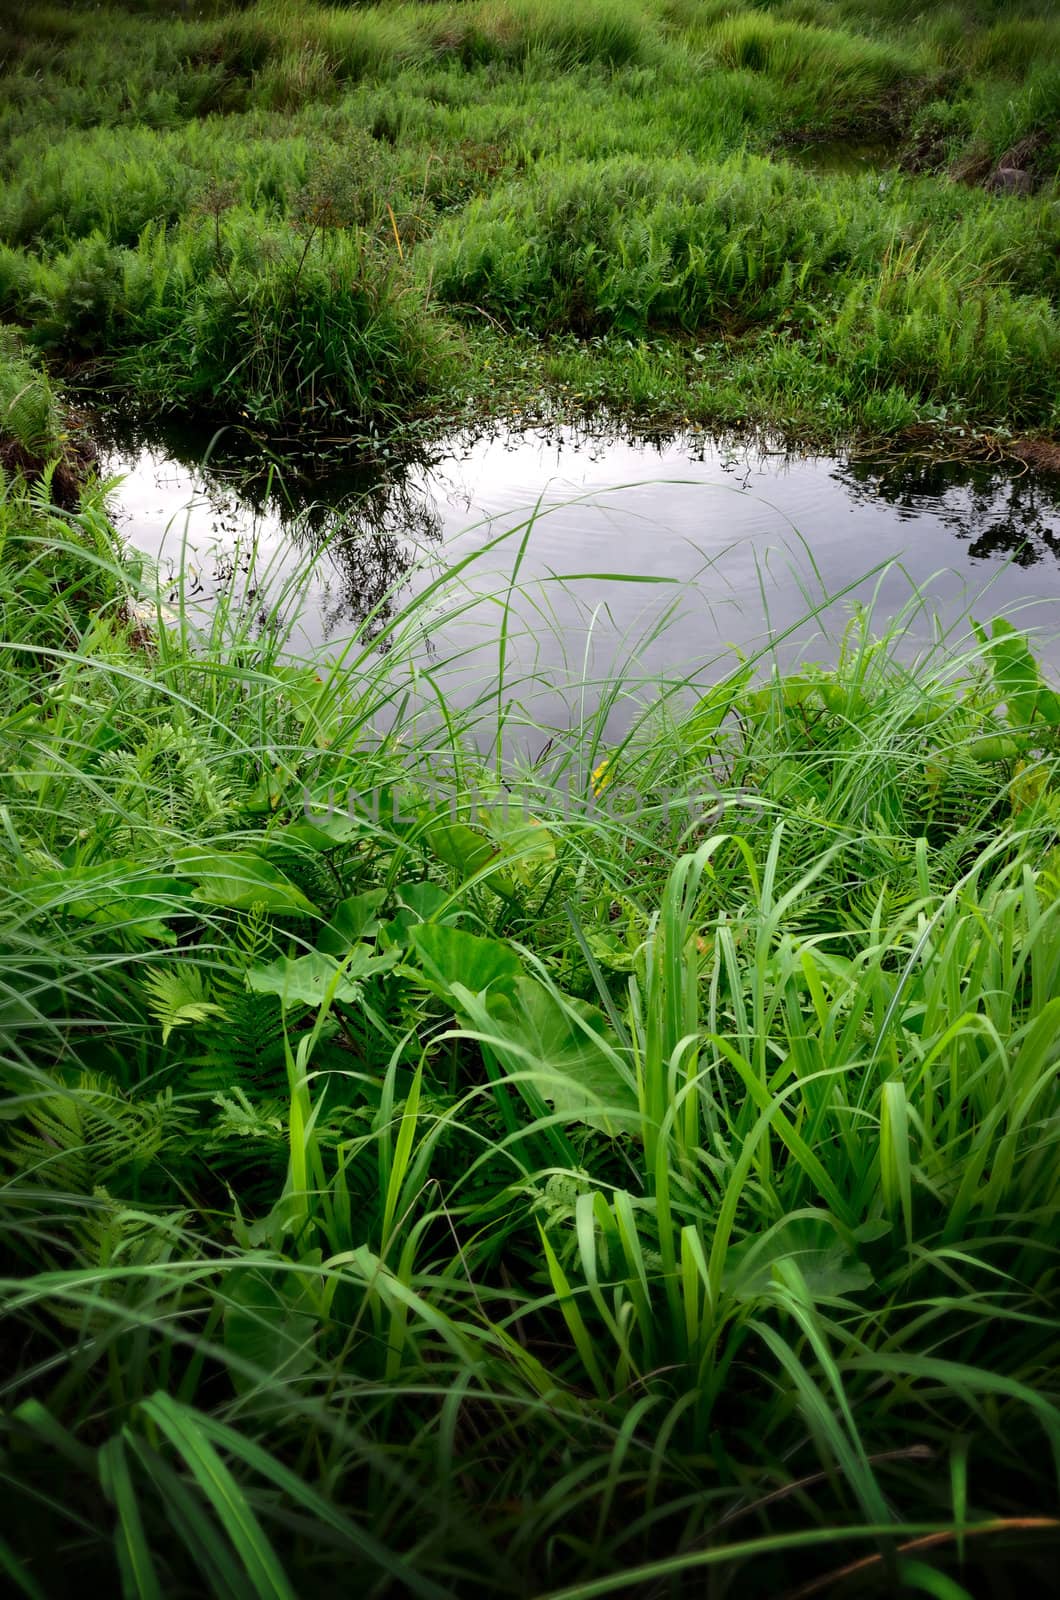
(746,246)
(295,211)
(430,1176)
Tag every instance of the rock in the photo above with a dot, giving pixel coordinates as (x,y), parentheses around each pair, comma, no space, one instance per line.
(1010,180)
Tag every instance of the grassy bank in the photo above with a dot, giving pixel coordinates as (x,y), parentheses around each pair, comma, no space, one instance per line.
(435,1175)
(326,218)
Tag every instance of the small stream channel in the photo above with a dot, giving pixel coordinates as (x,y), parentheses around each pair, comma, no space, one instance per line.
(653,559)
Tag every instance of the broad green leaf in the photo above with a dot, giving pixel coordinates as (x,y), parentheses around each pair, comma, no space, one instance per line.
(323,833)
(425,900)
(353,919)
(1016,671)
(525,843)
(461,847)
(421,902)
(842,699)
(1049,706)
(240,879)
(449,955)
(311,979)
(570,1041)
(269,1322)
(1028,786)
(993,747)
(830,1268)
(116,893)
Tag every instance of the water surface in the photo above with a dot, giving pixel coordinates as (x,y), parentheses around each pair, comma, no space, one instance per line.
(605,555)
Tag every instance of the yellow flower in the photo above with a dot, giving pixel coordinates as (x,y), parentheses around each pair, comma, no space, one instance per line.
(602,777)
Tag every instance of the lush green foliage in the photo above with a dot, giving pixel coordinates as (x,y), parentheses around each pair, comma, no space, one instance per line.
(746,243)
(527,1173)
(302,213)
(30,419)
(629,1170)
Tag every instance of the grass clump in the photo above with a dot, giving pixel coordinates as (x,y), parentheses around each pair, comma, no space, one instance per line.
(30,422)
(38,438)
(756,251)
(846,82)
(528,112)
(231,314)
(456,1174)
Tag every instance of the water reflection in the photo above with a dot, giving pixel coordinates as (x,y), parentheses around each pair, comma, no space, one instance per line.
(841,156)
(220,517)
(1013,515)
(373,541)
(753,541)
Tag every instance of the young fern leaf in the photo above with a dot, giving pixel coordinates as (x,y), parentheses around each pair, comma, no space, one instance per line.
(178,997)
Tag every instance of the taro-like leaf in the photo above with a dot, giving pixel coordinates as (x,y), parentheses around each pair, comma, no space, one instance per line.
(310,979)
(118,893)
(461,847)
(826,1261)
(425,900)
(353,919)
(269,1322)
(526,844)
(323,830)
(1016,672)
(571,1044)
(420,902)
(239,879)
(449,956)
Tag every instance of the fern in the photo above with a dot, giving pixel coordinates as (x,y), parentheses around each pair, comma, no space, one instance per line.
(241,1044)
(89,1134)
(178,997)
(29,414)
(165,779)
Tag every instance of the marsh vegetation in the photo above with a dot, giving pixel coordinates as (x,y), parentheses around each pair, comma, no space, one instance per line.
(442,1154)
(339,218)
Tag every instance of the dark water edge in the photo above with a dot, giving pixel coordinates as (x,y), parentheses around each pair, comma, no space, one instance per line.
(647,557)
(842,155)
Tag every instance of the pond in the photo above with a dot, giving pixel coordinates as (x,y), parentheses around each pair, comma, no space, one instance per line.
(842,155)
(604,555)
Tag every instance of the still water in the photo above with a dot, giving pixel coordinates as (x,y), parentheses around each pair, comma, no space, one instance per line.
(605,555)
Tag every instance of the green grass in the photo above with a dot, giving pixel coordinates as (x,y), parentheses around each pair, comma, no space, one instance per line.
(431,154)
(627,1171)
(637,1175)
(40,437)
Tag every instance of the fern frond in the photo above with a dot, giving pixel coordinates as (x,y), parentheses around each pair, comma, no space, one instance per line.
(178,996)
(89,1133)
